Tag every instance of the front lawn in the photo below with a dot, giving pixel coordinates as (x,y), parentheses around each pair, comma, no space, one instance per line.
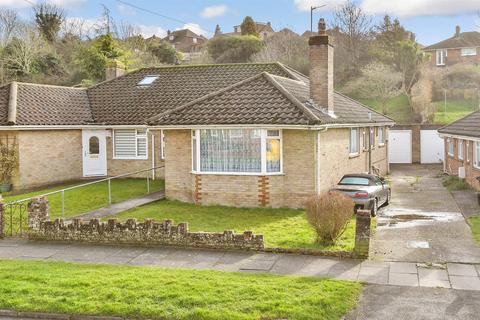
(156,293)
(456,109)
(475,226)
(91,197)
(282,228)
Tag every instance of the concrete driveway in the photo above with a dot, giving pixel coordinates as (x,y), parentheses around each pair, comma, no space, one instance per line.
(423,223)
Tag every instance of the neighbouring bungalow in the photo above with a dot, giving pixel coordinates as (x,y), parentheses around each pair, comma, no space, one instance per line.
(462,148)
(231,134)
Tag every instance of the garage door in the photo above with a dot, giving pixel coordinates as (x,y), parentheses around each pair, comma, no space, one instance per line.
(431,146)
(400,146)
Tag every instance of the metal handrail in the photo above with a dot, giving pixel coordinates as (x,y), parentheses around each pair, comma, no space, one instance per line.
(109,179)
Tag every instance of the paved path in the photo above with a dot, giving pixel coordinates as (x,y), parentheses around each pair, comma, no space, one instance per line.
(123,206)
(467,201)
(456,276)
(423,222)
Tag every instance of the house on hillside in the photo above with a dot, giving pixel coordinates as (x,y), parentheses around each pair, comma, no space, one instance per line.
(185,40)
(462,148)
(463,47)
(264,30)
(233,134)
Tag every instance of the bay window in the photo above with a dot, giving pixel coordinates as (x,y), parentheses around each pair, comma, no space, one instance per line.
(237,151)
(130,144)
(476,155)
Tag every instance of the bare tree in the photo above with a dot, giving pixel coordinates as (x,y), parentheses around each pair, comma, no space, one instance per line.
(378,82)
(76,27)
(9,24)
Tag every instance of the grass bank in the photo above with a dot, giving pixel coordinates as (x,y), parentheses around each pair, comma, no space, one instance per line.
(475,226)
(282,228)
(169,293)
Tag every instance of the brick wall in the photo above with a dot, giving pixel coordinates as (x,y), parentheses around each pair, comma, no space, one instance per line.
(455,56)
(335,161)
(416,137)
(452,163)
(48,157)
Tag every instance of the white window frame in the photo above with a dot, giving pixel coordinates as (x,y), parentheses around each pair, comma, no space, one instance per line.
(356,153)
(466,52)
(381,136)
(372,138)
(468,151)
(440,56)
(450,147)
(460,149)
(476,150)
(137,136)
(162,145)
(263,144)
(365,140)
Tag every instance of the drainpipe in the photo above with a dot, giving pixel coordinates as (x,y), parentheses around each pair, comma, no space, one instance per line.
(370,150)
(153,155)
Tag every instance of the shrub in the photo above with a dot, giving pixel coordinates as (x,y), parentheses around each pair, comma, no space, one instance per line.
(8,161)
(329,214)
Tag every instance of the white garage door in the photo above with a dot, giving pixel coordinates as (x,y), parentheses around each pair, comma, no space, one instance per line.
(400,146)
(431,146)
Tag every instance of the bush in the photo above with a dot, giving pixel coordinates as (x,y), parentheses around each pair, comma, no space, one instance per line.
(329,214)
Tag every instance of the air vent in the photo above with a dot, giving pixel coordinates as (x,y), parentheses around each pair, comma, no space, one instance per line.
(147,81)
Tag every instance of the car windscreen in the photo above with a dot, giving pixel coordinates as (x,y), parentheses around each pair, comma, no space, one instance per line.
(355,181)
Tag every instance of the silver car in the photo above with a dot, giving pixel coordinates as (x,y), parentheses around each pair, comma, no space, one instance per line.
(368,191)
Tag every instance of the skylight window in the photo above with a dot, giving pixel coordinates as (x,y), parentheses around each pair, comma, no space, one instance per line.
(148,80)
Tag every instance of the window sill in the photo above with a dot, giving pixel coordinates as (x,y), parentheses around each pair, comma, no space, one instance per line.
(354,155)
(133,158)
(381,145)
(239,173)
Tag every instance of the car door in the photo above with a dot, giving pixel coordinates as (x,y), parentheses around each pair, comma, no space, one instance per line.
(382,190)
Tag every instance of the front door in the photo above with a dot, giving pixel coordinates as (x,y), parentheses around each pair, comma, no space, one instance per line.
(94,153)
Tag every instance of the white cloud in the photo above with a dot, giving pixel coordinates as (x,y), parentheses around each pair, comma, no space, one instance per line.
(148,31)
(408,8)
(304,5)
(22,3)
(214,11)
(15,3)
(195,28)
(68,3)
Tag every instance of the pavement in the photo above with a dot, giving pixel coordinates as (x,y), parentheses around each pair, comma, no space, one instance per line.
(467,201)
(423,223)
(449,275)
(122,206)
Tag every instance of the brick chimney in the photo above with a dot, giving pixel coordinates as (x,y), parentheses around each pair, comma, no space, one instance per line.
(113,70)
(321,68)
(457,31)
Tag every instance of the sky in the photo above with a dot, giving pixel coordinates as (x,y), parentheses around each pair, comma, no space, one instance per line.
(430,20)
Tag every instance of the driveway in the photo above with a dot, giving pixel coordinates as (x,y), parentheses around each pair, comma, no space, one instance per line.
(423,222)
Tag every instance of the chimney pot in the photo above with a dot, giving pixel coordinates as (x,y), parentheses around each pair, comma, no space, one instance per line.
(457,31)
(322,27)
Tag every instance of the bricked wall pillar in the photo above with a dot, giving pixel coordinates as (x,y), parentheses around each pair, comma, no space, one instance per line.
(2,218)
(362,233)
(263,191)
(198,189)
(38,211)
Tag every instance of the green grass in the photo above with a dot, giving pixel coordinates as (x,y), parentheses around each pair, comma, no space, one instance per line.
(475,226)
(92,197)
(398,108)
(453,183)
(282,228)
(154,293)
(456,109)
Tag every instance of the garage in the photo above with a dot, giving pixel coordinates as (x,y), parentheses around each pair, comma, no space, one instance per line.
(432,147)
(400,146)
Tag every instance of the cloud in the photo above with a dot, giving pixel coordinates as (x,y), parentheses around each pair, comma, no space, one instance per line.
(126,10)
(304,5)
(15,3)
(68,3)
(195,28)
(409,8)
(214,11)
(22,3)
(148,31)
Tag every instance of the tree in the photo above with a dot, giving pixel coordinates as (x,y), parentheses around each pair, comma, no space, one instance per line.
(162,50)
(49,19)
(378,82)
(9,24)
(233,48)
(248,27)
(353,28)
(287,48)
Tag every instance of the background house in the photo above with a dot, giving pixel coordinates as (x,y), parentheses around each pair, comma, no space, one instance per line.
(462,148)
(462,47)
(185,40)
(264,30)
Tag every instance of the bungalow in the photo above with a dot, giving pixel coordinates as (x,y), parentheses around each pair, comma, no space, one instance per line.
(233,134)
(462,148)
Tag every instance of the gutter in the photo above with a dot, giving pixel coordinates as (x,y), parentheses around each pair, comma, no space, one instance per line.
(12,103)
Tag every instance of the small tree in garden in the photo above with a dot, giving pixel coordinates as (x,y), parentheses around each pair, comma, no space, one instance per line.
(329,214)
(8,161)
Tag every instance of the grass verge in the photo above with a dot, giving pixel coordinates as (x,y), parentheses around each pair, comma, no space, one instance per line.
(474,223)
(169,293)
(282,228)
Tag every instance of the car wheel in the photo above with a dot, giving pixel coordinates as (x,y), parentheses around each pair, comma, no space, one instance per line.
(374,208)
(389,198)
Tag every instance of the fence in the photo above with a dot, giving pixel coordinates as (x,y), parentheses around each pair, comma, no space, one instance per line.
(84,198)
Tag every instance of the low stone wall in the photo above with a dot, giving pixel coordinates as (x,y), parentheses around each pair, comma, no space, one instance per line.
(143,233)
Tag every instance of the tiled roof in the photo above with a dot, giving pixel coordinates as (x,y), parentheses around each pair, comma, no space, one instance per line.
(468,126)
(265,99)
(463,40)
(121,101)
(4,93)
(47,105)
